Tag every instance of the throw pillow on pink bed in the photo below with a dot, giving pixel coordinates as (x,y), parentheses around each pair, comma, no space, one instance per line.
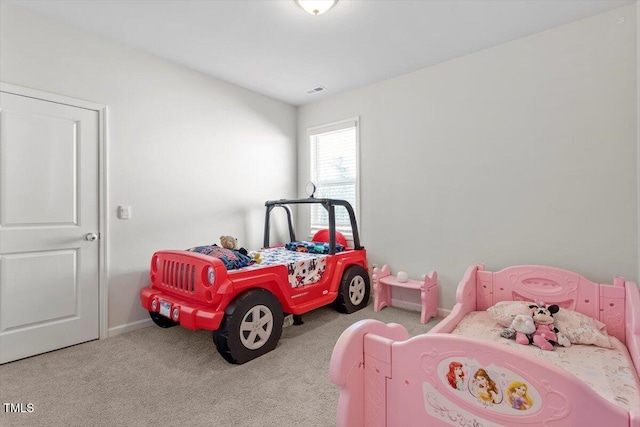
(582,329)
(577,327)
(504,311)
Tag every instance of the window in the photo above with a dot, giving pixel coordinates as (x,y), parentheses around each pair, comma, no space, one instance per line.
(333,159)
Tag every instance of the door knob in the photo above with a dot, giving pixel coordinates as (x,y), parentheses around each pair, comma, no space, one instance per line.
(92,237)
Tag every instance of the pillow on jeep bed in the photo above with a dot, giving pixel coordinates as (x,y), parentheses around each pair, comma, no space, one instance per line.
(231,259)
(312,247)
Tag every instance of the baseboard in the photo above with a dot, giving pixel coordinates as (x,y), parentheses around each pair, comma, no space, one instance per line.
(408,305)
(134,326)
(129,327)
(413,306)
(442,312)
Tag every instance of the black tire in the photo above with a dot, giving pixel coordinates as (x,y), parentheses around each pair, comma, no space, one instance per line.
(160,320)
(354,291)
(251,327)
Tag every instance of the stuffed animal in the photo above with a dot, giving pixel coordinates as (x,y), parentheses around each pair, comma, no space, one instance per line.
(546,334)
(536,327)
(230,242)
(256,256)
(521,326)
(521,323)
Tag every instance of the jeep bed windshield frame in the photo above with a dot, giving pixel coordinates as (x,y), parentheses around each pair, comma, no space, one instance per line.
(328,204)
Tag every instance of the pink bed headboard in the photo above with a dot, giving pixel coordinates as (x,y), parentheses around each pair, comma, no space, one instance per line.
(555,286)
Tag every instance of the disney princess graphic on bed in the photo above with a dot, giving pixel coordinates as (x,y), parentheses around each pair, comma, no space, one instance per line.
(455,376)
(518,397)
(484,388)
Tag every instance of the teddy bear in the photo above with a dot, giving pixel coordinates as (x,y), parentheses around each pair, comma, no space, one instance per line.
(230,242)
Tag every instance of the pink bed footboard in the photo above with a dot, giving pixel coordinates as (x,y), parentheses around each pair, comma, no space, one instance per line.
(404,384)
(389,380)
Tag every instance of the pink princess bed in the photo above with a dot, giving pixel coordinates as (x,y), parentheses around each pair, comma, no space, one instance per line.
(464,373)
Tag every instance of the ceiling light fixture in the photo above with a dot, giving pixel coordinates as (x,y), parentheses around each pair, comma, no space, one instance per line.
(316,7)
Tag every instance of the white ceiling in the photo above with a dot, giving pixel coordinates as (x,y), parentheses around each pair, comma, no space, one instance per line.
(275,48)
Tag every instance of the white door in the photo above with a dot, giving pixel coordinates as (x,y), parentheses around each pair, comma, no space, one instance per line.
(48,221)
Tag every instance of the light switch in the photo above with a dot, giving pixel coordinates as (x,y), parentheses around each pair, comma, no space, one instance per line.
(124,212)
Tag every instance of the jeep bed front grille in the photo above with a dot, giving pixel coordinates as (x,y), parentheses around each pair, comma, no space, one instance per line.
(179,276)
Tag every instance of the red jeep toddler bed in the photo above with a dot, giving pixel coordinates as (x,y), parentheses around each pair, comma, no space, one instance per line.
(244,303)
(463,373)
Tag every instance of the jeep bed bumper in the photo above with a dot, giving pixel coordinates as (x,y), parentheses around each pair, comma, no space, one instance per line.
(192,315)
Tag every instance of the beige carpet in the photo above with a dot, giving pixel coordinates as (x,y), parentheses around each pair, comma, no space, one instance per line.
(175,377)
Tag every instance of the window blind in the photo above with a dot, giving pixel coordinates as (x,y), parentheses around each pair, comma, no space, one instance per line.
(334,169)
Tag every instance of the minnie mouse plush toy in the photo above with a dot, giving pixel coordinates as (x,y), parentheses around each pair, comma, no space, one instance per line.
(546,334)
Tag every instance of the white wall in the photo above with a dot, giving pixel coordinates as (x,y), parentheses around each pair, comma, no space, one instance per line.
(638,121)
(186,151)
(524,153)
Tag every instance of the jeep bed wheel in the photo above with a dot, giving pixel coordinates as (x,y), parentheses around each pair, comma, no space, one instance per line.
(160,320)
(354,291)
(251,327)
